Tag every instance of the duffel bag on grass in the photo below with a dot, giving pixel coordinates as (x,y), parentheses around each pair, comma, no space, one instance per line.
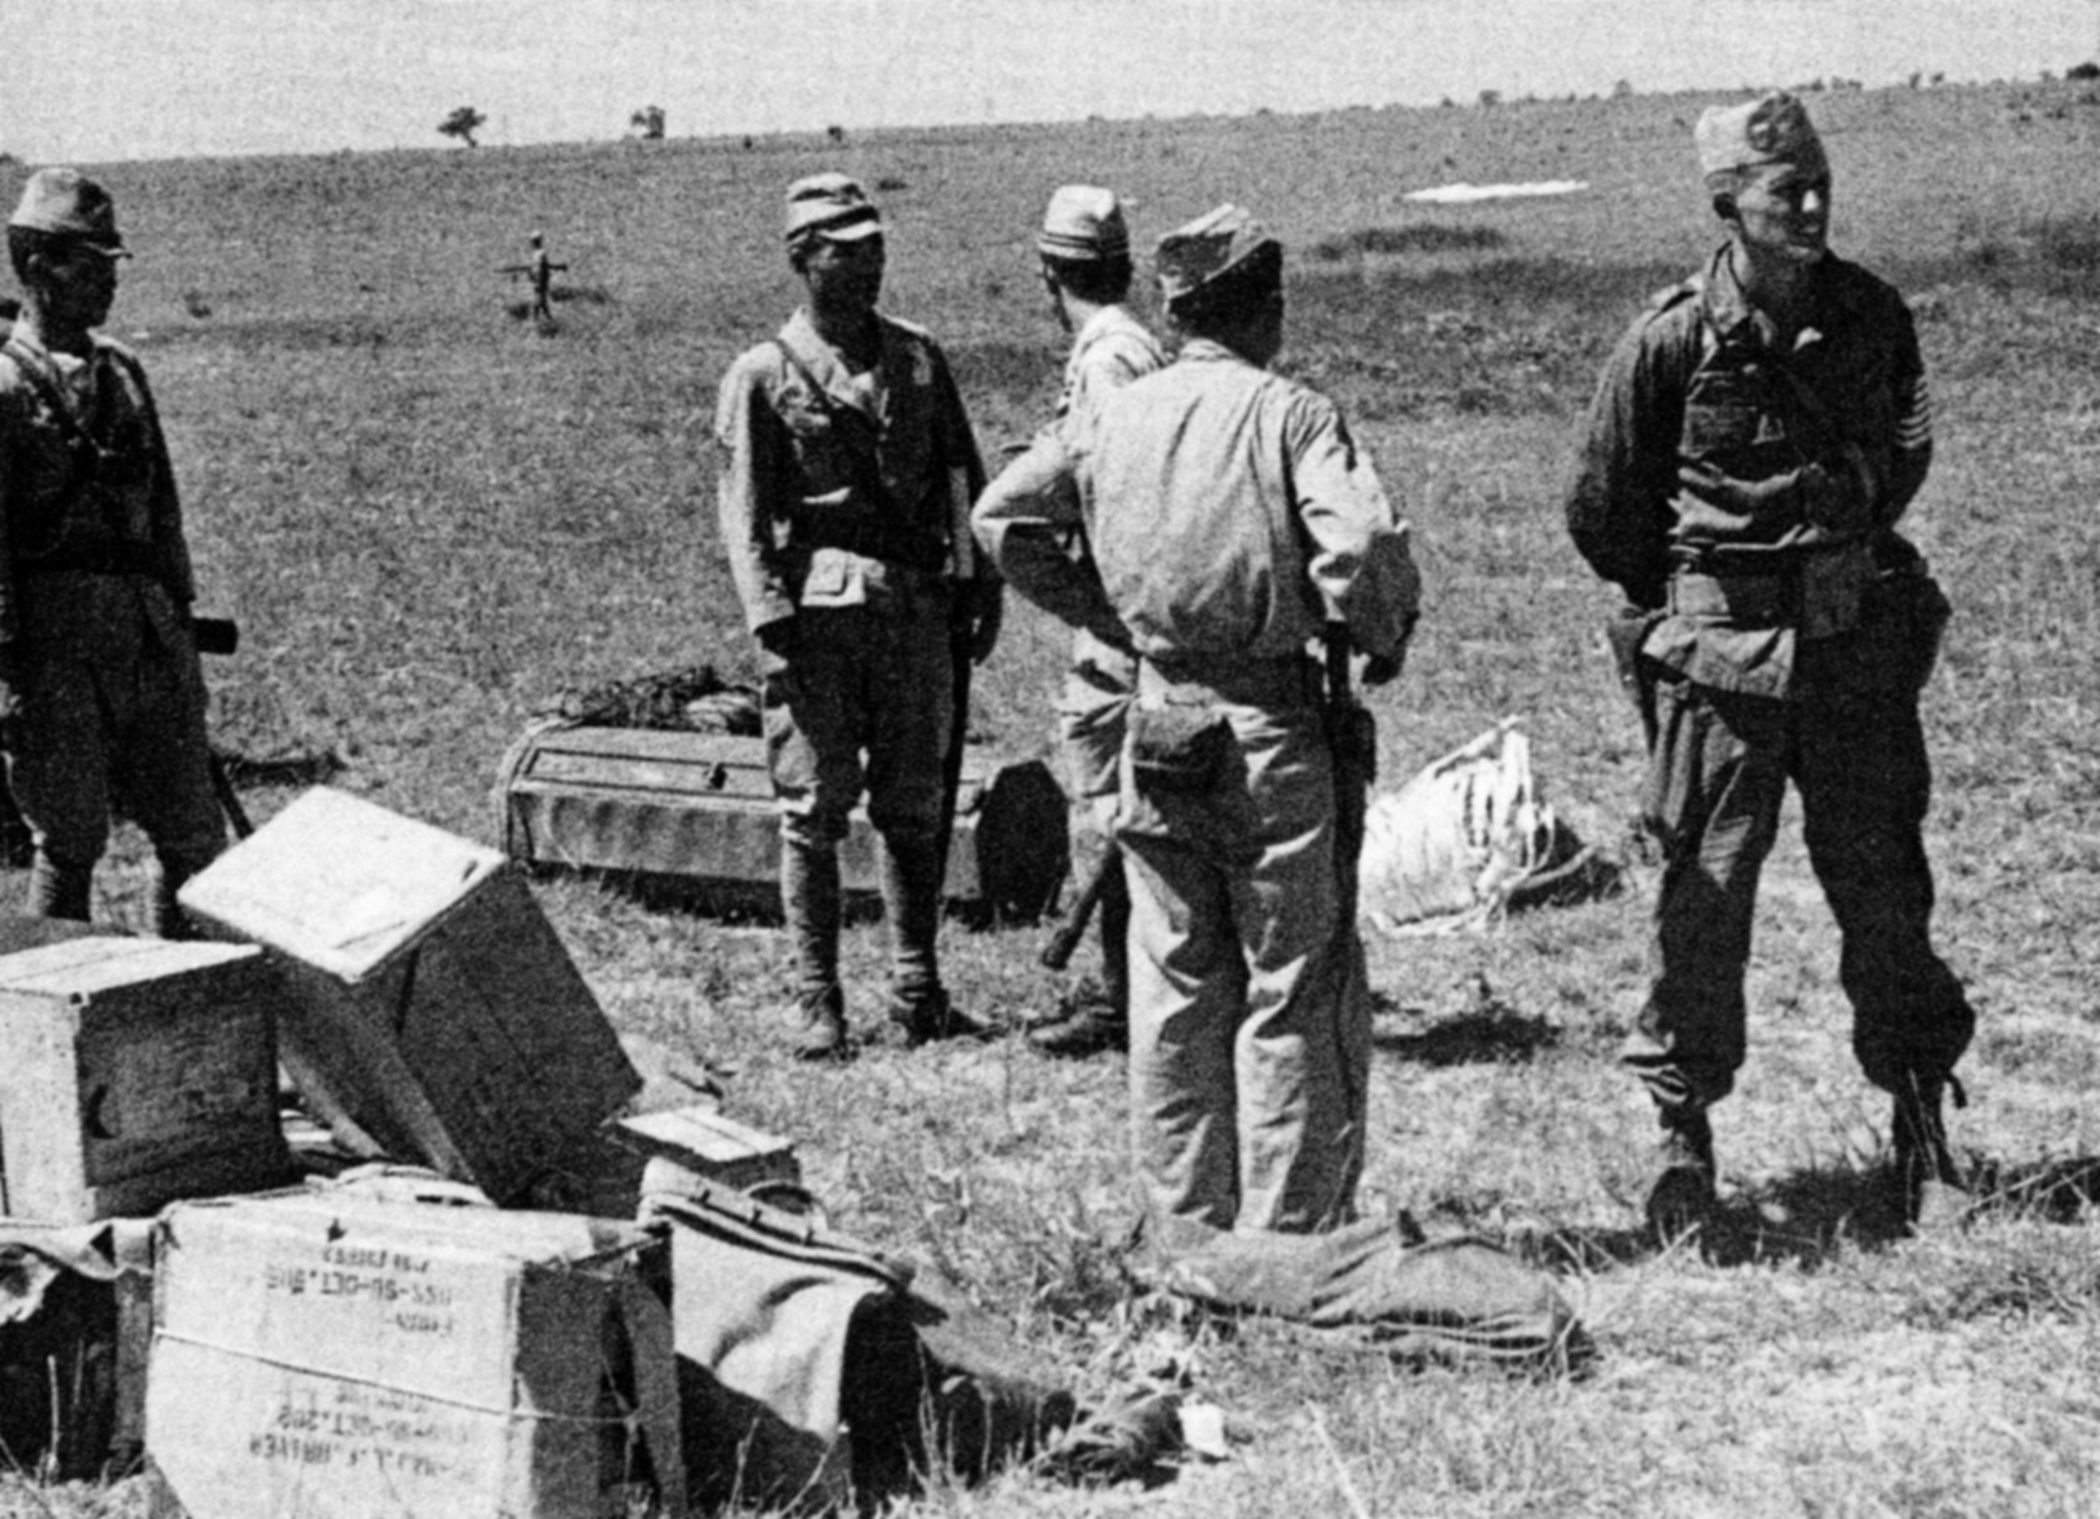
(1457,1301)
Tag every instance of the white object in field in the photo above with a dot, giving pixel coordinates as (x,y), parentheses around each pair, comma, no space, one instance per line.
(1463,194)
(1446,850)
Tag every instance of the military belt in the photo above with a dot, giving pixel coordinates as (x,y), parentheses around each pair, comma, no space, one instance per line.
(873,538)
(98,559)
(1290,680)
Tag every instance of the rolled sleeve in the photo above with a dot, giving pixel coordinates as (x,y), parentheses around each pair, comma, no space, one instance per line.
(1024,522)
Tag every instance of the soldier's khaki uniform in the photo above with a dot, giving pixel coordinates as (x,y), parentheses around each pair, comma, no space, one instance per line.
(1230,516)
(1783,650)
(95,593)
(867,702)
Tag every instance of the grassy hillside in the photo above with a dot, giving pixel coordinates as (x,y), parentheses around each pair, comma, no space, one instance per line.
(429,517)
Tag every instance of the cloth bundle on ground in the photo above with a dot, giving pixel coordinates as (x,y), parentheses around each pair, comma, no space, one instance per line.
(74,1303)
(816,1372)
(692,700)
(1467,838)
(1456,1301)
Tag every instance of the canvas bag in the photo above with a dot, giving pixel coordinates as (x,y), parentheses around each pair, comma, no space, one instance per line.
(814,1371)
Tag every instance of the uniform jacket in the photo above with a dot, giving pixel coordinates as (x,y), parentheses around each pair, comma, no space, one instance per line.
(1110,350)
(1229,513)
(66,508)
(1710,449)
(793,481)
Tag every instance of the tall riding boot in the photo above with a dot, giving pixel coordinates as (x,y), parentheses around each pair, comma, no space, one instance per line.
(809,898)
(1683,1196)
(912,868)
(1930,1190)
(59,888)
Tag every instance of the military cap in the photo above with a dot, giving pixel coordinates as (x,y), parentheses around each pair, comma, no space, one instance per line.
(67,202)
(831,206)
(1772,129)
(1212,246)
(1083,223)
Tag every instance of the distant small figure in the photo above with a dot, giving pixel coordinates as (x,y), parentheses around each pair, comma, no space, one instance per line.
(541,270)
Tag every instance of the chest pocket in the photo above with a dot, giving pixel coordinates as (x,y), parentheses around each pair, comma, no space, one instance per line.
(820,450)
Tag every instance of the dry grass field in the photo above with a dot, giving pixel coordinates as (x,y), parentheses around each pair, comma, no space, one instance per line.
(429,517)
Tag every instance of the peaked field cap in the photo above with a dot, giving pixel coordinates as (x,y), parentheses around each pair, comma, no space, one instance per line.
(1083,222)
(1771,129)
(830,206)
(1210,247)
(67,202)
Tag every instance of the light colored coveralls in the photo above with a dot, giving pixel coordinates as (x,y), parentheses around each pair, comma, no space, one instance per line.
(867,699)
(1109,351)
(1230,516)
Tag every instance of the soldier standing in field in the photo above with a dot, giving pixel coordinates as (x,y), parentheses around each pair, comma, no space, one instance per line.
(1085,250)
(541,272)
(1754,441)
(101,697)
(1231,520)
(847,467)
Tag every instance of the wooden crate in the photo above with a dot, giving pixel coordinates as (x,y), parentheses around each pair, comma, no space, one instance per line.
(138,1071)
(430,1014)
(700,806)
(324,1356)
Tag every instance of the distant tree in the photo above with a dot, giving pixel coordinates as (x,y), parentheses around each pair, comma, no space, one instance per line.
(835,132)
(648,123)
(2083,71)
(1490,99)
(463,124)
(1622,90)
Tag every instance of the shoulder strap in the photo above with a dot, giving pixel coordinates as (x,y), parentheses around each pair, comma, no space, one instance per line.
(48,392)
(867,469)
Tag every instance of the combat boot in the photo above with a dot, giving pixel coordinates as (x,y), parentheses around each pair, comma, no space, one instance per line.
(925,1014)
(819,1031)
(1683,1196)
(809,898)
(1086,1023)
(1930,1191)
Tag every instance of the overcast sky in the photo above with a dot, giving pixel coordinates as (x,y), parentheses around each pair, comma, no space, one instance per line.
(96,80)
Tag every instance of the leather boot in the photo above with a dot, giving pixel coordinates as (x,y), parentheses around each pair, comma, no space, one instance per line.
(1931,1193)
(59,888)
(169,920)
(810,902)
(1682,1197)
(912,868)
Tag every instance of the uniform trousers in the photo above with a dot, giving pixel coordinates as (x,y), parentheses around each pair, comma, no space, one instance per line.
(1717,775)
(1249,1020)
(112,716)
(866,705)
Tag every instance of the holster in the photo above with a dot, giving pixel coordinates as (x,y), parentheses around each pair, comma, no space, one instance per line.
(1625,631)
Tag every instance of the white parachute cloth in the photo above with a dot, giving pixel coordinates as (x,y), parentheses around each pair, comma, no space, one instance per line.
(1449,849)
